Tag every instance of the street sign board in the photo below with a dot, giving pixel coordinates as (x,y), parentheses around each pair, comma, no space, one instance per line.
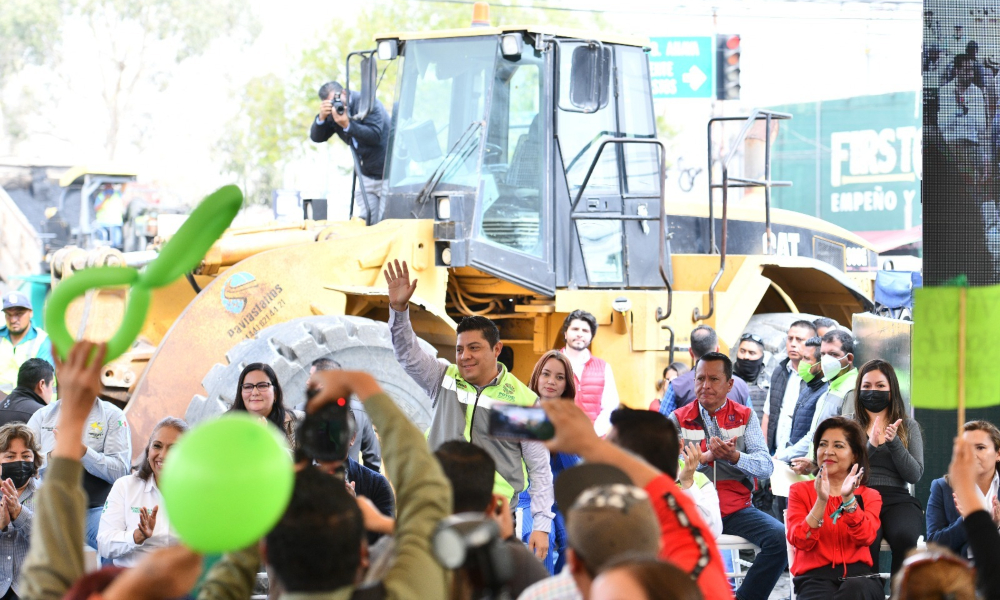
(682,67)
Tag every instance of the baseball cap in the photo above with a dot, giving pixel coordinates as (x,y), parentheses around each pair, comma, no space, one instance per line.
(16,300)
(608,521)
(573,481)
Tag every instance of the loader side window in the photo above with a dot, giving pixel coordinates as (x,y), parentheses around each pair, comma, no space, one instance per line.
(642,162)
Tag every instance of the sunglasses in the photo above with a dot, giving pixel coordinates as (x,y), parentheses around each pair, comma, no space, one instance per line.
(753,337)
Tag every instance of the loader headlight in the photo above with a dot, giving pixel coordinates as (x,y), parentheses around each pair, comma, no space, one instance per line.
(443,208)
(388,49)
(511,45)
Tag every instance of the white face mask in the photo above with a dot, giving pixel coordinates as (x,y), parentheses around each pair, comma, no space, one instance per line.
(831,366)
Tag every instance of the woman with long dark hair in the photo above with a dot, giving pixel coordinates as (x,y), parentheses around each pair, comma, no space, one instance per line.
(258,392)
(896,456)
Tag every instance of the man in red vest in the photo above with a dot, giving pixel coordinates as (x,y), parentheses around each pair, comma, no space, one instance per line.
(596,392)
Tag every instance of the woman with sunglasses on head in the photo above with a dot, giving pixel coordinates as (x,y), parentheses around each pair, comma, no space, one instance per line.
(258,392)
(832,521)
(896,456)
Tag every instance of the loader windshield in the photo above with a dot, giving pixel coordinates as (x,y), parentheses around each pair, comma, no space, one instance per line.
(442,96)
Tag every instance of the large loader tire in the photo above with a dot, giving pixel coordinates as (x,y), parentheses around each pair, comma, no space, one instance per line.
(289,348)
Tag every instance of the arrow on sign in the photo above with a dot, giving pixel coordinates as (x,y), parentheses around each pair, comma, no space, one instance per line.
(694,77)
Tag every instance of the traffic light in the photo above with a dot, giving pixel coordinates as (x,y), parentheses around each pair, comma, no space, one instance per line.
(727,58)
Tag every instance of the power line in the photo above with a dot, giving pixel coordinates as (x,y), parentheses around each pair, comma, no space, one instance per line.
(890,15)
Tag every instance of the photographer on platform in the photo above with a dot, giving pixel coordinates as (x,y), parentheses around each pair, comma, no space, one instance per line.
(367,138)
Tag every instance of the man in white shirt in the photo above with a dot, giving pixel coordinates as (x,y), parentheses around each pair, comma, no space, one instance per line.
(785,387)
(596,392)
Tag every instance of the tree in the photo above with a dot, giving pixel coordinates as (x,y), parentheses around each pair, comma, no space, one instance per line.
(259,142)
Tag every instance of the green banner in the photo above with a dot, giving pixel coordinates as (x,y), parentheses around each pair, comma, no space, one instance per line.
(854,162)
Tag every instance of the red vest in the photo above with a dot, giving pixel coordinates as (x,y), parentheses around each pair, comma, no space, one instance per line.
(590,387)
(732,484)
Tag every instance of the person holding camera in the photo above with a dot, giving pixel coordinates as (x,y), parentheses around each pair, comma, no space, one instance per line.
(367,139)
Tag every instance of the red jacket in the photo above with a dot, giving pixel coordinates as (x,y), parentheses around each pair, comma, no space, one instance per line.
(679,545)
(842,543)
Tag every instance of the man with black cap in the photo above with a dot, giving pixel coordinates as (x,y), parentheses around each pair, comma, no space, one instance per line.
(19,340)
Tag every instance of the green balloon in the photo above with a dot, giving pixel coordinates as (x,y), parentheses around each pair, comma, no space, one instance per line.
(77,285)
(226,483)
(180,255)
(188,246)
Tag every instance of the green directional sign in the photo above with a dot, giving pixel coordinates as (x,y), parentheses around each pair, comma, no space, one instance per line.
(682,67)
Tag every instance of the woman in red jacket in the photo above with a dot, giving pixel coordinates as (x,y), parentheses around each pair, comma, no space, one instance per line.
(833,520)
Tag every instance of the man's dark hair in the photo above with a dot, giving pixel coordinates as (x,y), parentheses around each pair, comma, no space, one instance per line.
(316,546)
(720,357)
(477,323)
(470,470)
(703,341)
(971,48)
(961,59)
(325,364)
(650,435)
(807,325)
(34,370)
(824,322)
(581,315)
(814,343)
(845,338)
(329,86)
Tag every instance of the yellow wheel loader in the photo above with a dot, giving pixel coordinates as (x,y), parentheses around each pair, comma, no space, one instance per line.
(523,180)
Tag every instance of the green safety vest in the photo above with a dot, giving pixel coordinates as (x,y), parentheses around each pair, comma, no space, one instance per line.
(464,413)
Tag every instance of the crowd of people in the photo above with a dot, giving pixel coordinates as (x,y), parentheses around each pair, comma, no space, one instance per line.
(619,503)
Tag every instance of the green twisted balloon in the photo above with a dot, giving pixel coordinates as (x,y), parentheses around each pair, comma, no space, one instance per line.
(180,255)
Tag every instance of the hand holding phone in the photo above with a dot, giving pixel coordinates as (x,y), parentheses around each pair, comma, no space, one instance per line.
(512,422)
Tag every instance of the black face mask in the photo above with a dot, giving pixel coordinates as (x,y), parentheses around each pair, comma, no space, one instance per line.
(748,370)
(18,472)
(874,400)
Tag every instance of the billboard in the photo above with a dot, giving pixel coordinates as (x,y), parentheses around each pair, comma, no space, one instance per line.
(854,162)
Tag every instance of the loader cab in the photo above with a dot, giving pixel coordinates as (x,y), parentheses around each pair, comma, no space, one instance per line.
(500,136)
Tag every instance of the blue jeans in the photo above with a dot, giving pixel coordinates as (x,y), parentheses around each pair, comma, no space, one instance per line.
(92,524)
(767,533)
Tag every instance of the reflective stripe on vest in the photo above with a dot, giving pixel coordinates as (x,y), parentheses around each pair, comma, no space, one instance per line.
(12,357)
(590,387)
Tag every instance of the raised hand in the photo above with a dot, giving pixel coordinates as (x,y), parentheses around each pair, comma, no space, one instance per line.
(877,436)
(400,287)
(852,481)
(890,430)
(333,385)
(962,476)
(79,384)
(147,522)
(822,484)
(692,458)
(574,431)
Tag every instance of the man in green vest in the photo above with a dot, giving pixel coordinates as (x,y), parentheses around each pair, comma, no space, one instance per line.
(19,340)
(463,395)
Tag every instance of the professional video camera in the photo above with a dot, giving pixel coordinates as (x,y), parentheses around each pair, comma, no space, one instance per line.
(470,544)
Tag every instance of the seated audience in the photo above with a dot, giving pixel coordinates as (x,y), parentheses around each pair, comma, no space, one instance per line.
(833,520)
(643,579)
(470,470)
(20,459)
(944,521)
(685,539)
(896,456)
(552,379)
(33,391)
(653,437)
(134,522)
(258,392)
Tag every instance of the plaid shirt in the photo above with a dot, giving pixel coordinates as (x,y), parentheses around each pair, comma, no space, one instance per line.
(558,587)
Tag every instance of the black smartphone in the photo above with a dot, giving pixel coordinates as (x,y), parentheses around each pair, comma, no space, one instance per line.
(512,422)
